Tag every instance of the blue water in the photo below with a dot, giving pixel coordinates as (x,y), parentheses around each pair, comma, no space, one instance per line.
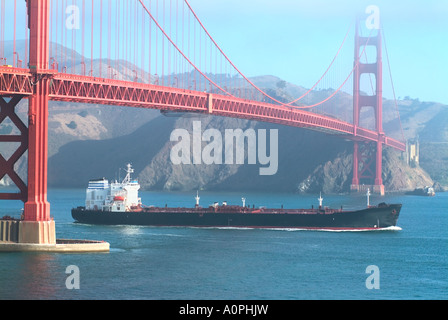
(191,263)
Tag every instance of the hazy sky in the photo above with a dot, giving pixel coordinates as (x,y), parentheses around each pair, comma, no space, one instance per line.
(296,40)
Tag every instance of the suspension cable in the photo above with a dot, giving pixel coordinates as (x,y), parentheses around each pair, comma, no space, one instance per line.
(392,83)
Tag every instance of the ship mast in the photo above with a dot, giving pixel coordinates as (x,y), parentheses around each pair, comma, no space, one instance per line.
(129,170)
(197,199)
(320,200)
(368,197)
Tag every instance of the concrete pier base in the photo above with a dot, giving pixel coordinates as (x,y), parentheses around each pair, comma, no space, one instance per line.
(374,189)
(379,189)
(39,232)
(61,246)
(9,231)
(25,236)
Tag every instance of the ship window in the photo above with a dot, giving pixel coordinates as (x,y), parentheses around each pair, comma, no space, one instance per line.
(118,208)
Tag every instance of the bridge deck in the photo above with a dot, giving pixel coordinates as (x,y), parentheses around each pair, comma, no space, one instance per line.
(95,90)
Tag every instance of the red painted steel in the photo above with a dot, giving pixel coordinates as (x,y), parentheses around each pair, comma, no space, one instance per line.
(15,81)
(83,89)
(7,110)
(37,207)
(364,161)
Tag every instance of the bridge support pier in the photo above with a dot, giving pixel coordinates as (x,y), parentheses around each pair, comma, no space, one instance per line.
(37,226)
(378,187)
(367,168)
(35,231)
(37,207)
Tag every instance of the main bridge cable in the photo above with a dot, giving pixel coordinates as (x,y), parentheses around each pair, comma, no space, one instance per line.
(392,83)
(177,48)
(225,56)
(225,91)
(343,83)
(326,71)
(268,96)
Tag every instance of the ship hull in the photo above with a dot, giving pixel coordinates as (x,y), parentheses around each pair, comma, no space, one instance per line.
(367,219)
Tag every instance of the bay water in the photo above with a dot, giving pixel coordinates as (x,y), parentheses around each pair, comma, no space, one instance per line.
(163,263)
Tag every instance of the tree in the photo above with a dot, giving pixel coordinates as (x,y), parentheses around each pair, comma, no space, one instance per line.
(281,84)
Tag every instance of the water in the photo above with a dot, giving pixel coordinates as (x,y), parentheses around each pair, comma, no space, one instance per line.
(191,263)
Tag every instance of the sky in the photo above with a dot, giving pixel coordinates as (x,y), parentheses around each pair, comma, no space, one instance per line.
(296,40)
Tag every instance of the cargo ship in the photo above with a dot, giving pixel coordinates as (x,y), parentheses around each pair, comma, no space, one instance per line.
(118,203)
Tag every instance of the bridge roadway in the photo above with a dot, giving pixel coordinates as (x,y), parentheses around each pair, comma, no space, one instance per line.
(84,89)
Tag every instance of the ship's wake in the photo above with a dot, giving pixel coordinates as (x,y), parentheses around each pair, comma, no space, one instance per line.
(391,228)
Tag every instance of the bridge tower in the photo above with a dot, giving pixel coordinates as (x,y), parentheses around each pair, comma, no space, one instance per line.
(36,226)
(37,221)
(367,156)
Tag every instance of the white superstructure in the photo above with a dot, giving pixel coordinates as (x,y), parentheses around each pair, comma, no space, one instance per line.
(116,196)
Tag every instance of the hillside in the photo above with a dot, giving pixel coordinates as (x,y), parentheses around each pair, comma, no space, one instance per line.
(308,161)
(148,149)
(428,121)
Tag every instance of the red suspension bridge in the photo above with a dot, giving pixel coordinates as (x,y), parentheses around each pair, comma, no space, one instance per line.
(158,55)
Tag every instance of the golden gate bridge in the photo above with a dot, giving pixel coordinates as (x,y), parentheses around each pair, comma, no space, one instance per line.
(157,54)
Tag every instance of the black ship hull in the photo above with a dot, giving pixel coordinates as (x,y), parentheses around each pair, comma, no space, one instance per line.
(380,217)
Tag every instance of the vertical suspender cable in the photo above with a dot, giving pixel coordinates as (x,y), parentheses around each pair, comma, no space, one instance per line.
(169,50)
(109,27)
(73,45)
(14,64)
(125,37)
(125,65)
(51,27)
(55,21)
(123,44)
(2,31)
(83,36)
(25,61)
(91,45)
(163,47)
(150,47)
(143,47)
(157,44)
(101,37)
(117,37)
(63,39)
(135,37)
